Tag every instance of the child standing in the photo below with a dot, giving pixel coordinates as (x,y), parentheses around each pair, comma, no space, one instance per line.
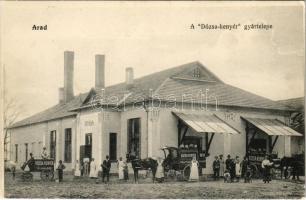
(227,176)
(120,165)
(60,168)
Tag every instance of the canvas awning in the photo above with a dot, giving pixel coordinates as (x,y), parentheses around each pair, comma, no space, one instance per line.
(272,126)
(203,123)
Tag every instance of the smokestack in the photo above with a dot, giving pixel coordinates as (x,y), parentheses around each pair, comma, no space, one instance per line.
(100,71)
(129,77)
(68,75)
(61,95)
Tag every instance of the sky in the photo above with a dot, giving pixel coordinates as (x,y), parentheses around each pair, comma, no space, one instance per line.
(150,37)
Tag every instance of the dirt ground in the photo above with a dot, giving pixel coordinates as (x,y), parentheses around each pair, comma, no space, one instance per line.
(88,188)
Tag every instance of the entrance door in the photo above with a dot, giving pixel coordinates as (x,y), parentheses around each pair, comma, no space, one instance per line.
(113,146)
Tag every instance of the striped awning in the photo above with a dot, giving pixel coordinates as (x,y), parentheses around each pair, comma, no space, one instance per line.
(272,126)
(202,123)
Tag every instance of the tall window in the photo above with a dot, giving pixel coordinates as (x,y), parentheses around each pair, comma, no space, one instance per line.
(67,155)
(53,144)
(26,151)
(134,137)
(88,145)
(16,153)
(88,139)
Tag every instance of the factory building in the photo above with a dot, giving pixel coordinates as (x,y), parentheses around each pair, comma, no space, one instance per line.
(185,106)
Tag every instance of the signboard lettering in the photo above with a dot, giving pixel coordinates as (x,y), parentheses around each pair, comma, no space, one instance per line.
(89,123)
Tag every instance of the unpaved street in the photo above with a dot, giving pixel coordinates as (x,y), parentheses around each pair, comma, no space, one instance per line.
(87,188)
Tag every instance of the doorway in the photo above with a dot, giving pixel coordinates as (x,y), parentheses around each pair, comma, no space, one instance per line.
(113,146)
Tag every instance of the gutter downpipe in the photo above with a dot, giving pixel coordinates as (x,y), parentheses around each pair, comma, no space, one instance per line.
(147,112)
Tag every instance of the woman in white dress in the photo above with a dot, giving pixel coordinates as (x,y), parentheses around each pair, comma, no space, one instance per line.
(194,170)
(77,171)
(237,168)
(159,175)
(121,165)
(93,169)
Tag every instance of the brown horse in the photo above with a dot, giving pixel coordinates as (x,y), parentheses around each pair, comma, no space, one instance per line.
(142,164)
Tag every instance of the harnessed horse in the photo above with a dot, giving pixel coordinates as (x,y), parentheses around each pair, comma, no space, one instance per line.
(142,164)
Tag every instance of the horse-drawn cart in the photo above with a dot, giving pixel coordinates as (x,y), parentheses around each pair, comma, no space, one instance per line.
(255,160)
(178,161)
(44,166)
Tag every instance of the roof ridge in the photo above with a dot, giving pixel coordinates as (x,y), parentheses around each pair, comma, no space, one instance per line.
(160,86)
(154,73)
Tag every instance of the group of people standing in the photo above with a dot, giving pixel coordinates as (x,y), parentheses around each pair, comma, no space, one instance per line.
(91,169)
(232,169)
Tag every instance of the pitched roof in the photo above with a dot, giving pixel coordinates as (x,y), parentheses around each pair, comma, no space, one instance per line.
(175,82)
(60,110)
(223,94)
(295,103)
(190,79)
(143,87)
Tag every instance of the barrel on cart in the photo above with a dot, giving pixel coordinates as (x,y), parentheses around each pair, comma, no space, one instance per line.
(44,166)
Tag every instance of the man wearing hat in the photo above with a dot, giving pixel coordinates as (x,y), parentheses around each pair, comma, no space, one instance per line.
(216,167)
(228,162)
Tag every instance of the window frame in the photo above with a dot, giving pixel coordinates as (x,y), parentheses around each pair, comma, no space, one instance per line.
(26,145)
(16,153)
(68,145)
(131,138)
(53,144)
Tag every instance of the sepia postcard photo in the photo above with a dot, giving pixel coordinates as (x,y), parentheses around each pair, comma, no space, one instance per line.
(152,100)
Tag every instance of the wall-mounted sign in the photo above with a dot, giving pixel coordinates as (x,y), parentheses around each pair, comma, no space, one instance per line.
(89,123)
(230,116)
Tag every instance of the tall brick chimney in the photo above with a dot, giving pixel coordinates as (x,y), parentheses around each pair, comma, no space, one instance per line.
(68,75)
(61,95)
(129,77)
(100,71)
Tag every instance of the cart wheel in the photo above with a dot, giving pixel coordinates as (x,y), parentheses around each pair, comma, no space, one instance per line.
(255,171)
(51,175)
(171,174)
(186,173)
(46,175)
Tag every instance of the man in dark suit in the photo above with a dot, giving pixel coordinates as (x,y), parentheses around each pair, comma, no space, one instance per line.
(216,167)
(31,162)
(228,162)
(106,165)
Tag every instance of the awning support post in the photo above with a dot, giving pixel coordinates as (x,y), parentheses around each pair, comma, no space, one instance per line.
(185,131)
(179,126)
(252,138)
(247,139)
(180,136)
(209,142)
(273,144)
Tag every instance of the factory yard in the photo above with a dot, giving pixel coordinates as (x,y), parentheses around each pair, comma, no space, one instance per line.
(88,188)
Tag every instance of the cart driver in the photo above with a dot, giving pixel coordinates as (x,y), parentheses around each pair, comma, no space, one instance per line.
(44,154)
(31,162)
